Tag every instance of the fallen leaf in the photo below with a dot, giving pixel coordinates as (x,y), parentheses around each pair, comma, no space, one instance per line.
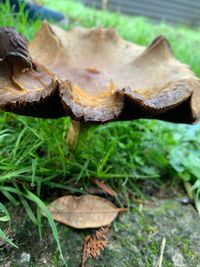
(87,211)
(93,244)
(105,187)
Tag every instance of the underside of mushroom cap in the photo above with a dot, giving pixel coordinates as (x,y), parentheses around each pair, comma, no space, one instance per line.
(25,88)
(29,92)
(93,75)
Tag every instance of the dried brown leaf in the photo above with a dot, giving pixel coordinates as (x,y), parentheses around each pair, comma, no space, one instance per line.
(86,211)
(105,187)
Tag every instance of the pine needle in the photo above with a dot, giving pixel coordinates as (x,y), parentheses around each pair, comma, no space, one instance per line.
(93,244)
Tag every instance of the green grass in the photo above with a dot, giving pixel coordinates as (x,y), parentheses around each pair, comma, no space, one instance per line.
(35,160)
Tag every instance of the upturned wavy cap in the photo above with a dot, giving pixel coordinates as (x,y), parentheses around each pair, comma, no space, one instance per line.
(93,75)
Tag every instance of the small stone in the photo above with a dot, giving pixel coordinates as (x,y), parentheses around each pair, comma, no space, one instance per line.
(25,257)
(178,260)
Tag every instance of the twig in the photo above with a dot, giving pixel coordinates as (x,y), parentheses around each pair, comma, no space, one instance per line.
(144,202)
(162,248)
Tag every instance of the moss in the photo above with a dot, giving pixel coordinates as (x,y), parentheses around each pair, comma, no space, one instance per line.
(135,239)
(186,249)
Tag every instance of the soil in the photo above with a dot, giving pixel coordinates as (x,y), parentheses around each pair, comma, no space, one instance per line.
(134,239)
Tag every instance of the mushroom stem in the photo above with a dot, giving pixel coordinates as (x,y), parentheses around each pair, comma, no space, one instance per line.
(73,133)
(78,131)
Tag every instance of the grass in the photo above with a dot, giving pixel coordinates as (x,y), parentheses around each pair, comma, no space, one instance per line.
(35,160)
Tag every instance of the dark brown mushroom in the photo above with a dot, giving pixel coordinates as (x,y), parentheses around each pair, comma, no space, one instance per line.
(93,75)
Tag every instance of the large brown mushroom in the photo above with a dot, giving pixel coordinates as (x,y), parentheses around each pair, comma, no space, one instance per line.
(93,75)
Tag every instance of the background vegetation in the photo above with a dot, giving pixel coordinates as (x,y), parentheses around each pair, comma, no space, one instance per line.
(35,160)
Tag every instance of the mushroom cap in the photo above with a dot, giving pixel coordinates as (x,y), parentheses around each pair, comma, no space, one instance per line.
(93,75)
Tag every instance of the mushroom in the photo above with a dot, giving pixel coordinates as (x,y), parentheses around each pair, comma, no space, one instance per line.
(94,76)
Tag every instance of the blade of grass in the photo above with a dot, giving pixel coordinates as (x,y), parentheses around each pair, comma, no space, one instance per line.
(105,159)
(65,187)
(6,216)
(14,174)
(29,195)
(17,144)
(6,239)
(197,201)
(28,210)
(39,213)
(10,197)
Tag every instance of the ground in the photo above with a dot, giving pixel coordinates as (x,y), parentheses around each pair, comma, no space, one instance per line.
(134,238)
